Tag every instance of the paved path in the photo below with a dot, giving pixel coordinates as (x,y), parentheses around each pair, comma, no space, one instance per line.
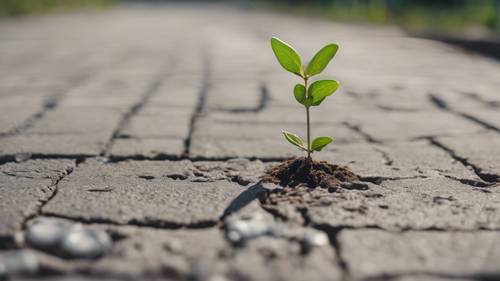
(155,123)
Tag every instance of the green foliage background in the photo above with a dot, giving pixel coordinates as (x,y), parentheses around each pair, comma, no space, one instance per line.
(435,15)
(21,7)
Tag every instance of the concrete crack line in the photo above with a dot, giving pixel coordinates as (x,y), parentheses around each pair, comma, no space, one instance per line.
(263,103)
(474,276)
(146,223)
(44,201)
(201,102)
(442,105)
(151,89)
(49,104)
(487,177)
(357,129)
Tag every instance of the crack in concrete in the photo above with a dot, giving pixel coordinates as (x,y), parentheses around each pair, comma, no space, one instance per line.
(479,99)
(380,179)
(478,276)
(146,222)
(357,129)
(133,110)
(44,201)
(263,103)
(388,161)
(201,102)
(443,105)
(487,177)
(50,103)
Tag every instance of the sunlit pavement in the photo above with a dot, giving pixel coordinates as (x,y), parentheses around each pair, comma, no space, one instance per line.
(148,127)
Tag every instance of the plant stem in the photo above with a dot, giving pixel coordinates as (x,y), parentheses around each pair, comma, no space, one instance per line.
(308,125)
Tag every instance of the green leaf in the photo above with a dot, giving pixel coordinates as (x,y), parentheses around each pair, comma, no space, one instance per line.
(321,89)
(294,139)
(321,59)
(299,91)
(320,142)
(287,56)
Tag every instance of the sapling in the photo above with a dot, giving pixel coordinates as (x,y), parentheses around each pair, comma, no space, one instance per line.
(308,96)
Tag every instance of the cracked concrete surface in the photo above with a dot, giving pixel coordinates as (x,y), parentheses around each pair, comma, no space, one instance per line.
(159,132)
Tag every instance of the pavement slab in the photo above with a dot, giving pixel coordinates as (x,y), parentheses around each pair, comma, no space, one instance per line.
(432,203)
(24,188)
(479,151)
(372,253)
(142,193)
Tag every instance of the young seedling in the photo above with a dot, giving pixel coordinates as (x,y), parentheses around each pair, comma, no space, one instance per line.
(310,96)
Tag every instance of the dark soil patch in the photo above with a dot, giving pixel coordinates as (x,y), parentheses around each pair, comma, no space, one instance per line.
(305,172)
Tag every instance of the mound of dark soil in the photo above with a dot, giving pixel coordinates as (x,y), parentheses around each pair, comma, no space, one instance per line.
(305,172)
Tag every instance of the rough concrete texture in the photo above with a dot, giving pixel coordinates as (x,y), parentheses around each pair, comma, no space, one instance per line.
(24,188)
(155,124)
(432,252)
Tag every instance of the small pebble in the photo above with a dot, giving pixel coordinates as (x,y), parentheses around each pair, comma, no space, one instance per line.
(85,243)
(21,157)
(46,233)
(315,238)
(61,237)
(18,262)
(240,231)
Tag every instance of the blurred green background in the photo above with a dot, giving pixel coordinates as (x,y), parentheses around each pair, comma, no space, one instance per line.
(442,16)
(23,7)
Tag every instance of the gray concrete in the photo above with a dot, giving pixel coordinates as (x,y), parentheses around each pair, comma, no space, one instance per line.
(155,124)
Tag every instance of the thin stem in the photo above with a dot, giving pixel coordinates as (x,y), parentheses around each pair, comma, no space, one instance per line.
(308,125)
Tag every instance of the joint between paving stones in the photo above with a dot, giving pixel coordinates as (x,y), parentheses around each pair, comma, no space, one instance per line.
(48,105)
(487,177)
(357,129)
(264,99)
(443,105)
(200,103)
(133,110)
(43,202)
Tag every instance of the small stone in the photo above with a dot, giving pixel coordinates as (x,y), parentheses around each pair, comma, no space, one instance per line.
(46,233)
(315,238)
(21,157)
(18,262)
(85,243)
(239,231)
(355,185)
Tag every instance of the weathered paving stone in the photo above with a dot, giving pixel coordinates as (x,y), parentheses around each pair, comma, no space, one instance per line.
(63,145)
(215,138)
(271,259)
(101,121)
(433,203)
(147,147)
(386,126)
(17,109)
(377,253)
(420,158)
(151,123)
(23,189)
(479,150)
(145,193)
(396,160)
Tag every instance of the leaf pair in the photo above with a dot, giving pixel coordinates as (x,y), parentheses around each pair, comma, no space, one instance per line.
(317,145)
(318,91)
(290,59)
